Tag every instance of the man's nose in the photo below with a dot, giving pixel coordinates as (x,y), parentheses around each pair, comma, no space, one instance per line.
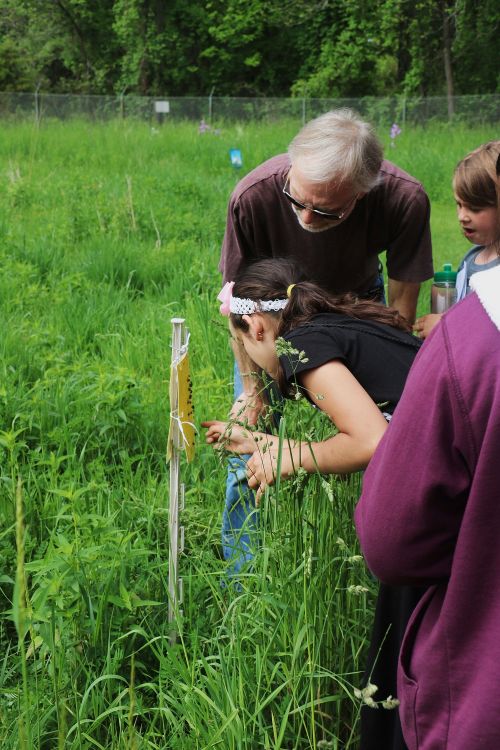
(307,216)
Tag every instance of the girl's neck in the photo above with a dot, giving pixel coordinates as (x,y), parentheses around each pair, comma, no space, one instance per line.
(489,253)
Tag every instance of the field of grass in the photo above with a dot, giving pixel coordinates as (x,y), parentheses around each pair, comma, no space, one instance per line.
(107,231)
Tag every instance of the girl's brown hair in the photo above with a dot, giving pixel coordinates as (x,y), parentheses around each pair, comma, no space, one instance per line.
(270,279)
(476,180)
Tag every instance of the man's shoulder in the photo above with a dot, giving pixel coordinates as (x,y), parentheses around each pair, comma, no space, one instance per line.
(269,171)
(395,178)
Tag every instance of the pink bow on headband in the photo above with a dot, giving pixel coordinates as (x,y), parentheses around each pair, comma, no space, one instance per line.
(224,296)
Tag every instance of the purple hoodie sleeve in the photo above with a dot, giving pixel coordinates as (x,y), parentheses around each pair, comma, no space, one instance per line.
(416,485)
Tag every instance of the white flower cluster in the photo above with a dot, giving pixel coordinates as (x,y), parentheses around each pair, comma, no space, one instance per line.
(358,590)
(242,306)
(366,696)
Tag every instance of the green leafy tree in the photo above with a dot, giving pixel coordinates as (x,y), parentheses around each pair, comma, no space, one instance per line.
(161,45)
(321,48)
(16,67)
(475,46)
(254,45)
(353,58)
(64,44)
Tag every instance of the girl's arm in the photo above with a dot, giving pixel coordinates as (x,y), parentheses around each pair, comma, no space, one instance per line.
(359,422)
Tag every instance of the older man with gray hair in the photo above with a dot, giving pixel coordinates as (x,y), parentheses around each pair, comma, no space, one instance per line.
(333,205)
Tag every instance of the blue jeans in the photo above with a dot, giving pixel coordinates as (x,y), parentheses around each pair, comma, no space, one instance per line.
(240,519)
(377,292)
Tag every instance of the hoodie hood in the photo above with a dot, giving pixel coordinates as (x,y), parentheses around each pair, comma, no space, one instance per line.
(487,287)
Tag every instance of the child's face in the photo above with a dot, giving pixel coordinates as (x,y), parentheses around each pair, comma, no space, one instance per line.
(263,353)
(260,346)
(479,225)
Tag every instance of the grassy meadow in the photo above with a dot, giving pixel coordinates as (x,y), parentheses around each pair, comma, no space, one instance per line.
(107,231)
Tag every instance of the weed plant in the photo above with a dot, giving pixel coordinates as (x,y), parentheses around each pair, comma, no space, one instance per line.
(106,232)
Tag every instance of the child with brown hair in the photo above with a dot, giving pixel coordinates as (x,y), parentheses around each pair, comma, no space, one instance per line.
(478,207)
(345,355)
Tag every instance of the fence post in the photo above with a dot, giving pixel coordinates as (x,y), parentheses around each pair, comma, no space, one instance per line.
(122,102)
(210,97)
(37,105)
(303,110)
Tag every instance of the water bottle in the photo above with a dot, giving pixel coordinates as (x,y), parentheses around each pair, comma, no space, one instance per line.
(443,290)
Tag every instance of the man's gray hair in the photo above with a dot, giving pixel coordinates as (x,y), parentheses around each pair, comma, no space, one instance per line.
(338,147)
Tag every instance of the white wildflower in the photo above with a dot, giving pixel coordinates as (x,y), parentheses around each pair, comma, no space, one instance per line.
(284,347)
(390,703)
(329,493)
(358,590)
(366,695)
(370,690)
(307,556)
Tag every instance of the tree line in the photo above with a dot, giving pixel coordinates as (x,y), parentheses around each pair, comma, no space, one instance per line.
(313,48)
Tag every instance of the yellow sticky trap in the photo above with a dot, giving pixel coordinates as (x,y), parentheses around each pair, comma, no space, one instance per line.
(182,419)
(186,414)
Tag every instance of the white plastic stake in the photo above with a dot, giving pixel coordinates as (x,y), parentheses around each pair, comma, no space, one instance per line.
(173,516)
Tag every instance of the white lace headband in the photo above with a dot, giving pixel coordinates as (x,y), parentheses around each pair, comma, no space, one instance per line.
(240,306)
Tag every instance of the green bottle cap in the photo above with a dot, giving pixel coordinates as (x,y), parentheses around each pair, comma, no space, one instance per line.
(447,274)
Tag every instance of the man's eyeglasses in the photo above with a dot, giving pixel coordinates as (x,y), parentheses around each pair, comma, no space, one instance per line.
(317,211)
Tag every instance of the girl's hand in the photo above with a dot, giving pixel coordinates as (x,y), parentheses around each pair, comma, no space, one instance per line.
(229,436)
(262,469)
(424,325)
(248,407)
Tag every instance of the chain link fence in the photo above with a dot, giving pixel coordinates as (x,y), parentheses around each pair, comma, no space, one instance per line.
(478,109)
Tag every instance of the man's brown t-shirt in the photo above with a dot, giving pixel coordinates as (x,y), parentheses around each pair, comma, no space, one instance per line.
(393,217)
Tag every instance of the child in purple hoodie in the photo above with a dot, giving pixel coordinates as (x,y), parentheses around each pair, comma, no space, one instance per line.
(429,515)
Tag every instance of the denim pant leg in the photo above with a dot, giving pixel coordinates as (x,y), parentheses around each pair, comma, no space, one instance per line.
(379,284)
(240,520)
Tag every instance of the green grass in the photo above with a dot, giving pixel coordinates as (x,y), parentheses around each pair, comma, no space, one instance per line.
(107,231)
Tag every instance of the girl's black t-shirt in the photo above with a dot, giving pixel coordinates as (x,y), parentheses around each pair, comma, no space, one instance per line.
(378,355)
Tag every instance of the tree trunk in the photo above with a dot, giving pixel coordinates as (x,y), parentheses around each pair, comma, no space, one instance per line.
(448,72)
